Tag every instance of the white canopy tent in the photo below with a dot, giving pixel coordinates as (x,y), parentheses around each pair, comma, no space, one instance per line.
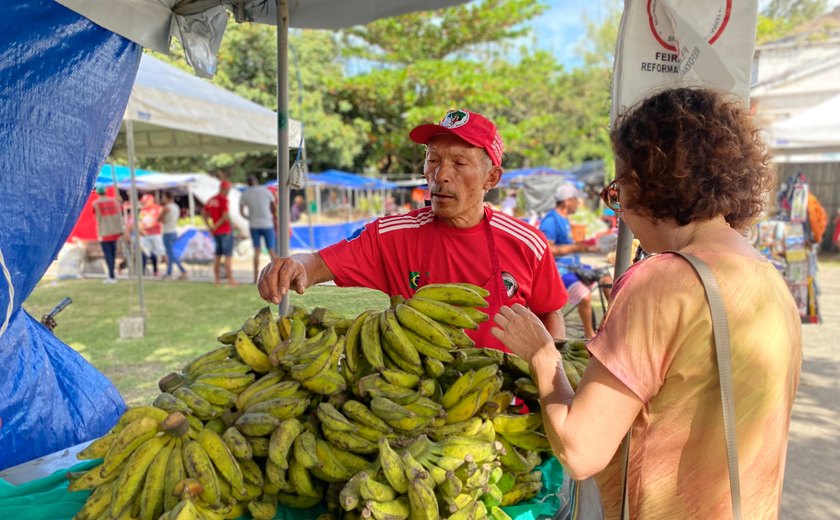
(812,131)
(199,26)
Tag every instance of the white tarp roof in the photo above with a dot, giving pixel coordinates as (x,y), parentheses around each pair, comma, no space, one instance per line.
(175,113)
(815,130)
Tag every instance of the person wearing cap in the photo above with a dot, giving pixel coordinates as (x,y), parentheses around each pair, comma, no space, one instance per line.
(216,215)
(456,239)
(557,229)
(261,215)
(151,231)
(109,228)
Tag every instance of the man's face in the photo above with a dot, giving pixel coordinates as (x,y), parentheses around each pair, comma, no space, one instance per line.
(458,176)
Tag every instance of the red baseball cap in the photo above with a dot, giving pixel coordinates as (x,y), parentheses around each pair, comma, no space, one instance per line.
(471,127)
(224,185)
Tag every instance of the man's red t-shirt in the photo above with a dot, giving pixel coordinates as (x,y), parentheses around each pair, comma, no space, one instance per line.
(398,254)
(216,208)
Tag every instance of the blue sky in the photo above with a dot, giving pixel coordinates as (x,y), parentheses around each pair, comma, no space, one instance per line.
(561,28)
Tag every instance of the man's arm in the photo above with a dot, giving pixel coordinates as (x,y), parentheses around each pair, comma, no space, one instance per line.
(567,249)
(554,324)
(242,211)
(297,272)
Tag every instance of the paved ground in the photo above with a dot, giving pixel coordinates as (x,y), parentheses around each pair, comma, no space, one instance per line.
(812,477)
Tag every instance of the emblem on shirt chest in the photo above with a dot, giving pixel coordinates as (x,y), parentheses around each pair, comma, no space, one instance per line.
(511,285)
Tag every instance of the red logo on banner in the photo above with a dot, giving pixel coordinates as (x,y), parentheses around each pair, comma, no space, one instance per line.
(661,28)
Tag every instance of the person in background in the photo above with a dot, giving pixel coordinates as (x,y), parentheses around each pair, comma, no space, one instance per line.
(216,215)
(691,175)
(151,239)
(557,229)
(298,208)
(262,218)
(109,228)
(169,220)
(456,239)
(836,237)
(509,203)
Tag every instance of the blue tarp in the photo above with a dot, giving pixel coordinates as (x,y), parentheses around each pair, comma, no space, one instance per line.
(349,180)
(64,86)
(519,176)
(323,235)
(122,173)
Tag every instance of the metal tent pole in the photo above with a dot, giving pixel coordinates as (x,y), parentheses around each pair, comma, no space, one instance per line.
(283,136)
(135,214)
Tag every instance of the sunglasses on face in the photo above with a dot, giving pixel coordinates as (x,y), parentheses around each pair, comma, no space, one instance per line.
(610,196)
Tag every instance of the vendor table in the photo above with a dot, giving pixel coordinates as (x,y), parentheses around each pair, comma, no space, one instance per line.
(42,466)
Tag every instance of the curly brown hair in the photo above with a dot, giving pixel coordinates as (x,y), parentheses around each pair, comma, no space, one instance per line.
(691,154)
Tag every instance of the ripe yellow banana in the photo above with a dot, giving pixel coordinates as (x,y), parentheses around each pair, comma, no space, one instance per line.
(442,312)
(460,447)
(473,401)
(268,380)
(282,389)
(327,382)
(434,367)
(395,361)
(256,425)
(301,480)
(421,496)
(99,447)
(200,467)
(466,428)
(169,403)
(251,354)
(132,436)
(304,449)
(429,349)
(353,462)
(425,407)
(309,369)
(233,382)
(329,468)
(332,418)
(400,377)
(131,415)
(371,489)
(220,354)
(361,413)
(175,473)
(422,325)
(200,407)
(281,407)
(281,441)
(348,441)
(349,497)
(90,479)
(237,443)
(263,509)
(455,294)
(130,482)
(251,472)
(456,392)
(521,491)
(352,342)
(397,509)
(370,341)
(222,458)
(98,503)
(214,394)
(531,441)
(151,496)
(507,424)
(269,334)
(393,332)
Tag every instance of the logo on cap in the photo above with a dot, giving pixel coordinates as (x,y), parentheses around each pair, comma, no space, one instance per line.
(454,119)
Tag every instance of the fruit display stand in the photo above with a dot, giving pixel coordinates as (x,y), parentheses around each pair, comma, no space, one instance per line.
(389,414)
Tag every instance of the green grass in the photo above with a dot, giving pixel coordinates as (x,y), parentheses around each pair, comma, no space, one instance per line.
(183,322)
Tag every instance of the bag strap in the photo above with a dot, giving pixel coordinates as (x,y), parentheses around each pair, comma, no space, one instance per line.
(720,330)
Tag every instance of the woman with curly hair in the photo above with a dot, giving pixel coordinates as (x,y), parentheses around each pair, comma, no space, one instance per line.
(691,173)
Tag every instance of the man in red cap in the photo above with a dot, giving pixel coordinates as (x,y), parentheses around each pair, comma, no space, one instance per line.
(457,239)
(217,218)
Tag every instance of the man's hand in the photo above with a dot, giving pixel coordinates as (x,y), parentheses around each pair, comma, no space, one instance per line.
(278,276)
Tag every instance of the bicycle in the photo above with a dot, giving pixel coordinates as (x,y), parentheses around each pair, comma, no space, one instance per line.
(590,277)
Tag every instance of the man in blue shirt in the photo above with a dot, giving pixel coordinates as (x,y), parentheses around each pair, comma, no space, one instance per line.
(557,229)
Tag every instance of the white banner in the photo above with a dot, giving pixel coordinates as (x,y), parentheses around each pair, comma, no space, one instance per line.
(680,43)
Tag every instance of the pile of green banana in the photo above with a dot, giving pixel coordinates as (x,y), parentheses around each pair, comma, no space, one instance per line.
(392,415)
(575,359)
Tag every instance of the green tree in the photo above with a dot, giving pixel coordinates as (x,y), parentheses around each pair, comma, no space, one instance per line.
(780,18)
(247,65)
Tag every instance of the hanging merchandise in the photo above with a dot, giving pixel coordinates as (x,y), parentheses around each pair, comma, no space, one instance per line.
(790,241)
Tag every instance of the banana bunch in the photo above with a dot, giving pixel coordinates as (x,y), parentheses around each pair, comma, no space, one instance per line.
(391,414)
(575,359)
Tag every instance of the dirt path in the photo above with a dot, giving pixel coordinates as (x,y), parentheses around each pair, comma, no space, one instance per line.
(812,476)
